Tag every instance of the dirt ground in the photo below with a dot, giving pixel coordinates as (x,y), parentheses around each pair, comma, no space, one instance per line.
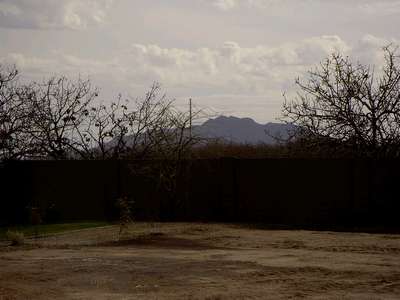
(202,261)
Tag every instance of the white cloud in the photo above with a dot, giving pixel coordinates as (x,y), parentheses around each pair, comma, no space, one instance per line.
(51,14)
(224,4)
(227,69)
(261,72)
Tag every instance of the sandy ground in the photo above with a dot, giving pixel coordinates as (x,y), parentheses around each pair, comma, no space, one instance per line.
(202,261)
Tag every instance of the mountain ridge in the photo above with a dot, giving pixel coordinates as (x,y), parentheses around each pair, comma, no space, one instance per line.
(242,130)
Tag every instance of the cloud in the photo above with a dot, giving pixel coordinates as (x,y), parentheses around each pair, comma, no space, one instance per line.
(224,4)
(50,14)
(228,68)
(366,7)
(206,73)
(257,4)
(384,8)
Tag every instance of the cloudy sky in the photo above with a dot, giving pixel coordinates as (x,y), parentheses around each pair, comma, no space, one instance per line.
(235,57)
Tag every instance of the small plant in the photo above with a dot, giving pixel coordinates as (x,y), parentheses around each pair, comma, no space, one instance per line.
(125,214)
(16,238)
(36,219)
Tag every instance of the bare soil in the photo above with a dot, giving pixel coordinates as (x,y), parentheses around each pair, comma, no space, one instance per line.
(202,261)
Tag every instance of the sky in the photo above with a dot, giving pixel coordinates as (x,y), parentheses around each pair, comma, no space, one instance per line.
(232,57)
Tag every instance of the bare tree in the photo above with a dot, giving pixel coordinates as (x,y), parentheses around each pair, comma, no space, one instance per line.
(13,115)
(134,129)
(61,119)
(66,121)
(152,116)
(170,145)
(102,135)
(349,104)
(58,108)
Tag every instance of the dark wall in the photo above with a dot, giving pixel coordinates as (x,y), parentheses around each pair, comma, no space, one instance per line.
(279,191)
(63,190)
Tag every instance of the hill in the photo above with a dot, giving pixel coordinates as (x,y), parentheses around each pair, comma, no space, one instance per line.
(242,130)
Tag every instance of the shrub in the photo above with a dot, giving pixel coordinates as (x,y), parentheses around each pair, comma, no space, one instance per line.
(125,213)
(17,238)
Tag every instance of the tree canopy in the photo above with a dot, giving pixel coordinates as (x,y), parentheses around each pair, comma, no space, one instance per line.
(61,118)
(350,105)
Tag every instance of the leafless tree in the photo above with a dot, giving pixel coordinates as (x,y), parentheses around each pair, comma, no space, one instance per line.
(136,129)
(350,104)
(151,119)
(62,119)
(13,115)
(102,135)
(168,158)
(58,109)
(173,149)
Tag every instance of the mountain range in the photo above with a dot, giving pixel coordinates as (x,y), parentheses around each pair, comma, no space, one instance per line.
(242,130)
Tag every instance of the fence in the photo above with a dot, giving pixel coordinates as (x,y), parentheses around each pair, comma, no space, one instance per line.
(276,191)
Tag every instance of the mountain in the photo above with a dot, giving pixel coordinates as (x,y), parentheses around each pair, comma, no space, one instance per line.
(242,130)
(232,130)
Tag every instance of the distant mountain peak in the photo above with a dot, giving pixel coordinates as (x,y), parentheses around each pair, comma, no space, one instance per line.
(242,130)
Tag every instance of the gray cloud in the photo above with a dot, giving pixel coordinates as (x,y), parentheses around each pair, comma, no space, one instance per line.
(372,7)
(50,14)
(181,44)
(228,71)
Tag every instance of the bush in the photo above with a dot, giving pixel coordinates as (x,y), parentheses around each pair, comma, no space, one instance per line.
(16,238)
(125,214)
